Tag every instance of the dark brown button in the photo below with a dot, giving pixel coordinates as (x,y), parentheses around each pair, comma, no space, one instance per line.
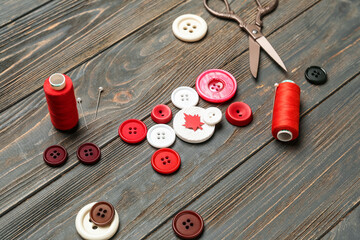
(55,155)
(102,213)
(188,224)
(88,153)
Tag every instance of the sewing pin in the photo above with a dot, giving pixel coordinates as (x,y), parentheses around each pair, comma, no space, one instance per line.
(82,111)
(98,101)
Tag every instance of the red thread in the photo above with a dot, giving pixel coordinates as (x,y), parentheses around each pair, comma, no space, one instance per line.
(62,105)
(286,112)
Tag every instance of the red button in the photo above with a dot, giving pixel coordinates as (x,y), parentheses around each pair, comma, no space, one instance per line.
(55,155)
(188,224)
(88,153)
(161,114)
(216,85)
(165,161)
(132,131)
(239,114)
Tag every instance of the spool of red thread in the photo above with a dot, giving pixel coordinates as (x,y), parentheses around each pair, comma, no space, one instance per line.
(286,112)
(60,97)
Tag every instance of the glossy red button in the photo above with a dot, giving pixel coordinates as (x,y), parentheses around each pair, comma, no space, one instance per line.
(132,131)
(165,161)
(88,153)
(55,155)
(188,224)
(102,213)
(239,114)
(216,85)
(161,114)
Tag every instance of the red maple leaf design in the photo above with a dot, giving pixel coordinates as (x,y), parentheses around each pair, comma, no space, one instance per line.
(192,122)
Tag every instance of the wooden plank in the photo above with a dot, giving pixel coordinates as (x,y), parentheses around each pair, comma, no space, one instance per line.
(63,34)
(348,228)
(291,191)
(156,198)
(14,9)
(130,91)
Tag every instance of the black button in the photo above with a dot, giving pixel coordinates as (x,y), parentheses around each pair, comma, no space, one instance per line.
(316,75)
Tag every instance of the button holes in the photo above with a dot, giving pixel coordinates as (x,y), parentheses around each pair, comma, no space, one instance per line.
(238,111)
(162,159)
(186,95)
(162,115)
(191,31)
(182,95)
(86,154)
(158,137)
(194,26)
(168,161)
(51,154)
(55,151)
(90,150)
(91,154)
(90,220)
(100,209)
(209,116)
(188,24)
(130,132)
(160,111)
(134,132)
(163,133)
(85,150)
(213,114)
(185,28)
(163,137)
(135,128)
(158,133)
(98,214)
(187,99)
(55,156)
(187,227)
(105,211)
(188,220)
(184,223)
(102,215)
(58,154)
(94,227)
(167,157)
(130,128)
(191,224)
(164,163)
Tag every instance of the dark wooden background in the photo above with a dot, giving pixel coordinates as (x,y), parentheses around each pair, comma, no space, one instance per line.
(245,184)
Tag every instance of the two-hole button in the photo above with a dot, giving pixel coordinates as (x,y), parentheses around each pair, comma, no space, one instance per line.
(161,114)
(239,114)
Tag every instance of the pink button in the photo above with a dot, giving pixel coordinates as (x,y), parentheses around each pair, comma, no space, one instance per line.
(216,85)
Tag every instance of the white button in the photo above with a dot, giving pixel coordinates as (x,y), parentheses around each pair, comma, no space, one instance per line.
(88,230)
(189,28)
(190,127)
(161,136)
(212,116)
(183,97)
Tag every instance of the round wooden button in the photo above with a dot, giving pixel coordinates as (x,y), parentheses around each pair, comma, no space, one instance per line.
(132,131)
(88,153)
(239,114)
(165,161)
(102,213)
(55,155)
(188,224)
(216,85)
(161,114)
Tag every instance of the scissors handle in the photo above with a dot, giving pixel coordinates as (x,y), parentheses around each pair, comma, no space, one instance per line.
(228,15)
(262,11)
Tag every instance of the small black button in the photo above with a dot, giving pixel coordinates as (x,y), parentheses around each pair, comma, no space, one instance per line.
(316,75)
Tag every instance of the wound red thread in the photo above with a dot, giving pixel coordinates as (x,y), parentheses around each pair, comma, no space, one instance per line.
(62,105)
(286,112)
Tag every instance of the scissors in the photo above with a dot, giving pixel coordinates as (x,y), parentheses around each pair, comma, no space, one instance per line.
(256,38)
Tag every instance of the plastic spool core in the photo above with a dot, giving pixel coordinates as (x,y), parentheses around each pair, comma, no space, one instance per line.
(57,81)
(284,135)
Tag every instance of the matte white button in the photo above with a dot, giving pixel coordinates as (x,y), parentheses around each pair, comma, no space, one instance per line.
(183,97)
(190,127)
(88,230)
(189,28)
(212,116)
(161,136)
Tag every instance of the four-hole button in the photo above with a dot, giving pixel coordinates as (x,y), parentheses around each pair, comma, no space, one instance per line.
(55,155)
(88,153)
(132,131)
(165,161)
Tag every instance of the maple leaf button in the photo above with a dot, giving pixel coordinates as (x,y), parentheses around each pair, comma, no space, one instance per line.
(193,122)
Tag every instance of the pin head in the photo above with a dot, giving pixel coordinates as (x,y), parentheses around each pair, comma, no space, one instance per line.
(101,89)
(78,100)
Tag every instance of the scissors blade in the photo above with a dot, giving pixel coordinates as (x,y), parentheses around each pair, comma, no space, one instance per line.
(254,54)
(264,43)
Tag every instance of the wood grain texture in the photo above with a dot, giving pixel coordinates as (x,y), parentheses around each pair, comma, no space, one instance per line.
(63,34)
(130,92)
(155,199)
(11,10)
(290,191)
(348,228)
